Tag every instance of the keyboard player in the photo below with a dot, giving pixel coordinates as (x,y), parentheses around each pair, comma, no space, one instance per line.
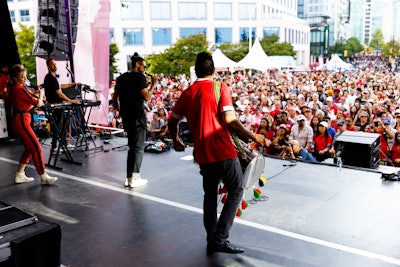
(54,94)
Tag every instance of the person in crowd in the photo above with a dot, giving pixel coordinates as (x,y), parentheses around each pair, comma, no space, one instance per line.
(384,135)
(299,152)
(131,91)
(331,129)
(302,133)
(349,123)
(247,119)
(395,154)
(265,129)
(362,121)
(314,124)
(215,154)
(23,100)
(322,142)
(280,142)
(156,125)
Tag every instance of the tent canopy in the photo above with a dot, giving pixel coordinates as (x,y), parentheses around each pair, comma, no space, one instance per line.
(336,63)
(222,62)
(257,59)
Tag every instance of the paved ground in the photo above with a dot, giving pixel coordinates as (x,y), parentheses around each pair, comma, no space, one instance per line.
(315,215)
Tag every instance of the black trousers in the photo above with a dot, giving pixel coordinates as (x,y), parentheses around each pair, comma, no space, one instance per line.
(231,174)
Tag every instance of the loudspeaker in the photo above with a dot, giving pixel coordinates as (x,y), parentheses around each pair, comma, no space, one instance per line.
(52,38)
(359,149)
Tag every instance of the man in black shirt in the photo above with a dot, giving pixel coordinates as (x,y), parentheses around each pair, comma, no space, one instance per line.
(54,94)
(129,95)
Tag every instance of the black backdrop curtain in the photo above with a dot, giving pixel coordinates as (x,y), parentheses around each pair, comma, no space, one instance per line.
(8,47)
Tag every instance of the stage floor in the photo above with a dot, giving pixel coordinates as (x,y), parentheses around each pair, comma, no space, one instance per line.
(315,215)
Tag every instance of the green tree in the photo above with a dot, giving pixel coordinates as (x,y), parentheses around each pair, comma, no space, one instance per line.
(113,68)
(272,48)
(354,46)
(337,48)
(270,45)
(25,38)
(236,52)
(178,58)
(391,48)
(377,40)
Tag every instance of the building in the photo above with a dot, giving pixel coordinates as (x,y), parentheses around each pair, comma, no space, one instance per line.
(152,26)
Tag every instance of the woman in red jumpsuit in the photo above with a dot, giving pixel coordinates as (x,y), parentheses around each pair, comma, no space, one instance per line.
(23,100)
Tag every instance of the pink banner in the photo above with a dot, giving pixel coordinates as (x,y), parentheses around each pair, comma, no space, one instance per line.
(91,56)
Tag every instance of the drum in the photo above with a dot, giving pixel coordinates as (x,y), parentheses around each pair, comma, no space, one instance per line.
(252,162)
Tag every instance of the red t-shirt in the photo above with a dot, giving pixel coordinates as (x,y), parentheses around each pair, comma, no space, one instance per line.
(321,142)
(209,131)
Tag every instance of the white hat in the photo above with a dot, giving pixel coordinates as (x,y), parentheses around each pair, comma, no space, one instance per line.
(329,98)
(301,117)
(324,123)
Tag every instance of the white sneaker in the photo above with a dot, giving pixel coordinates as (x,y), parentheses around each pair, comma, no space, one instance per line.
(138,182)
(20,178)
(127,181)
(47,179)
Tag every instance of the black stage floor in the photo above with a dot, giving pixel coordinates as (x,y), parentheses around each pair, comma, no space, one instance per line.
(315,215)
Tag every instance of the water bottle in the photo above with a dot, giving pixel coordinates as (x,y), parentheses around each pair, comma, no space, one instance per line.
(339,163)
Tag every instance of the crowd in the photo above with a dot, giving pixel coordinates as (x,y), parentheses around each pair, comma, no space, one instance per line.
(302,113)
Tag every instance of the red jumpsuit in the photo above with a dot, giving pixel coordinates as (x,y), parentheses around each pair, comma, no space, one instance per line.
(22,101)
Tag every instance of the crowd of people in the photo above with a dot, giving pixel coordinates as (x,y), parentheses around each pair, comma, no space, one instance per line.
(302,113)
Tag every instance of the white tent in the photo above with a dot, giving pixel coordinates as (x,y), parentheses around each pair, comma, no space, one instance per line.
(222,62)
(336,63)
(257,59)
(284,62)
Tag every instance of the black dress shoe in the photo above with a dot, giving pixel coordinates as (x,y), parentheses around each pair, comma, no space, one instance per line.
(225,248)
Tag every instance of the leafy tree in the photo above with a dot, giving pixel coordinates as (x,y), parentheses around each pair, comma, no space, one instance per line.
(178,58)
(236,52)
(272,48)
(270,45)
(377,41)
(25,39)
(354,46)
(338,47)
(391,48)
(113,68)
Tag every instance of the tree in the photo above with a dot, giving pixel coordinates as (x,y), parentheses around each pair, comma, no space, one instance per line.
(391,48)
(377,41)
(270,45)
(25,39)
(272,48)
(113,68)
(353,46)
(178,58)
(236,52)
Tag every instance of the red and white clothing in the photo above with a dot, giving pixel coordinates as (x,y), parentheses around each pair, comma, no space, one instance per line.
(208,129)
(22,101)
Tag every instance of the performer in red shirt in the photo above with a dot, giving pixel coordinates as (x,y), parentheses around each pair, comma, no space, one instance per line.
(23,100)
(209,122)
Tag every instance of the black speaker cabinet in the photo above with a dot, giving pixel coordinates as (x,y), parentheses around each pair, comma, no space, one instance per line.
(359,149)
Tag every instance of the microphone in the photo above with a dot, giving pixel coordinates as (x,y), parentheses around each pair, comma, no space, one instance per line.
(87,88)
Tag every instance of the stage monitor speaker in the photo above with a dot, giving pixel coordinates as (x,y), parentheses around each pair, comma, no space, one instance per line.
(359,149)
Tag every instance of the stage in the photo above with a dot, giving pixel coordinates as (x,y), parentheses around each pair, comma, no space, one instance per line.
(314,215)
